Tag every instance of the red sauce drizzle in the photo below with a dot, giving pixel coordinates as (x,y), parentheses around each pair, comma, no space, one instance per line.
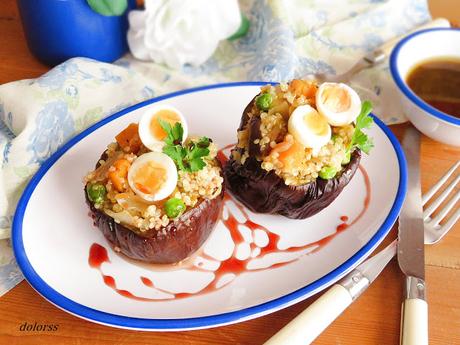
(367,198)
(98,254)
(146,281)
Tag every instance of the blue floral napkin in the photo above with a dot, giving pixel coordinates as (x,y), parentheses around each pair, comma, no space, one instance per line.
(287,39)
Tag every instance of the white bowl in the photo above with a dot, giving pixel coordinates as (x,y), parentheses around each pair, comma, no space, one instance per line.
(422,45)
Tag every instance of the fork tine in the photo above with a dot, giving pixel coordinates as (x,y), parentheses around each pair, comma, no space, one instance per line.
(427,196)
(446,209)
(435,204)
(450,223)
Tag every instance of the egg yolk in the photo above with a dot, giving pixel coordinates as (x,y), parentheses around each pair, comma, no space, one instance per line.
(150,177)
(166,115)
(336,99)
(316,123)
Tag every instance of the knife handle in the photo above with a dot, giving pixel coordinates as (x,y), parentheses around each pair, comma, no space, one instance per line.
(312,321)
(414,327)
(414,313)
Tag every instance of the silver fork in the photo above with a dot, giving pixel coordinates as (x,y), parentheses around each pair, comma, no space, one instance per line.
(434,229)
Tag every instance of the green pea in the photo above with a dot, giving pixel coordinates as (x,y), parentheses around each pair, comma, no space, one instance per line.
(264,101)
(96,192)
(327,173)
(174,207)
(347,158)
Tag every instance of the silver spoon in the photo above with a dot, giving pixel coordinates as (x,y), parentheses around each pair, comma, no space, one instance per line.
(374,58)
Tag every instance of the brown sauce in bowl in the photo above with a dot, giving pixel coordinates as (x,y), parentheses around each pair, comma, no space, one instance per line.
(437,82)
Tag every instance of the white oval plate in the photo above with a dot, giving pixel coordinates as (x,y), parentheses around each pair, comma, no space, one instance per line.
(52,233)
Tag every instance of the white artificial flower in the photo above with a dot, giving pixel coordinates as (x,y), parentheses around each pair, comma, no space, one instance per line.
(179,32)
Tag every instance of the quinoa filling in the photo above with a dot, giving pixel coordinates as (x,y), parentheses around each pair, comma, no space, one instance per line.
(129,178)
(277,149)
(121,203)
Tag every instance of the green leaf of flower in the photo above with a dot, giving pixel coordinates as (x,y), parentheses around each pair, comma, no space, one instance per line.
(109,7)
(242,30)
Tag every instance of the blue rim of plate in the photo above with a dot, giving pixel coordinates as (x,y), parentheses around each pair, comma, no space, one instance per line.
(196,322)
(403,86)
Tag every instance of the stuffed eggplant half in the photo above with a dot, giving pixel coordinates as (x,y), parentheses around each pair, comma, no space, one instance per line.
(299,144)
(156,194)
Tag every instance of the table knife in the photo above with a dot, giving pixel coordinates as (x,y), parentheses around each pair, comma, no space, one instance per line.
(414,312)
(312,321)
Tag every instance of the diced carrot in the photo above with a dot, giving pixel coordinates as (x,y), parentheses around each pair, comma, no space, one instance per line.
(294,154)
(122,165)
(283,146)
(121,196)
(129,139)
(118,176)
(303,87)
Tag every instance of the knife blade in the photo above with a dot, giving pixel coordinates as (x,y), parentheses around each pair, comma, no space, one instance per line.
(411,258)
(411,235)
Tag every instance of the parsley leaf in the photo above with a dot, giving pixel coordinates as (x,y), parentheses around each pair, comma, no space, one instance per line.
(204,142)
(362,141)
(174,134)
(177,133)
(187,157)
(195,153)
(196,165)
(177,154)
(364,120)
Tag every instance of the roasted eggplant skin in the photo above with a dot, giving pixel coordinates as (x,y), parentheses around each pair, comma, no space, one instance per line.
(265,192)
(171,244)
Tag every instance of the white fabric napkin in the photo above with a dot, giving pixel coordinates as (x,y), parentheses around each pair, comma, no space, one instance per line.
(287,39)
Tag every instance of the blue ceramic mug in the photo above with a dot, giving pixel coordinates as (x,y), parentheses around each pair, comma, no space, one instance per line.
(57,30)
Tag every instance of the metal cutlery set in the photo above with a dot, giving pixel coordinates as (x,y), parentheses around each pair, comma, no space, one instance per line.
(416,228)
